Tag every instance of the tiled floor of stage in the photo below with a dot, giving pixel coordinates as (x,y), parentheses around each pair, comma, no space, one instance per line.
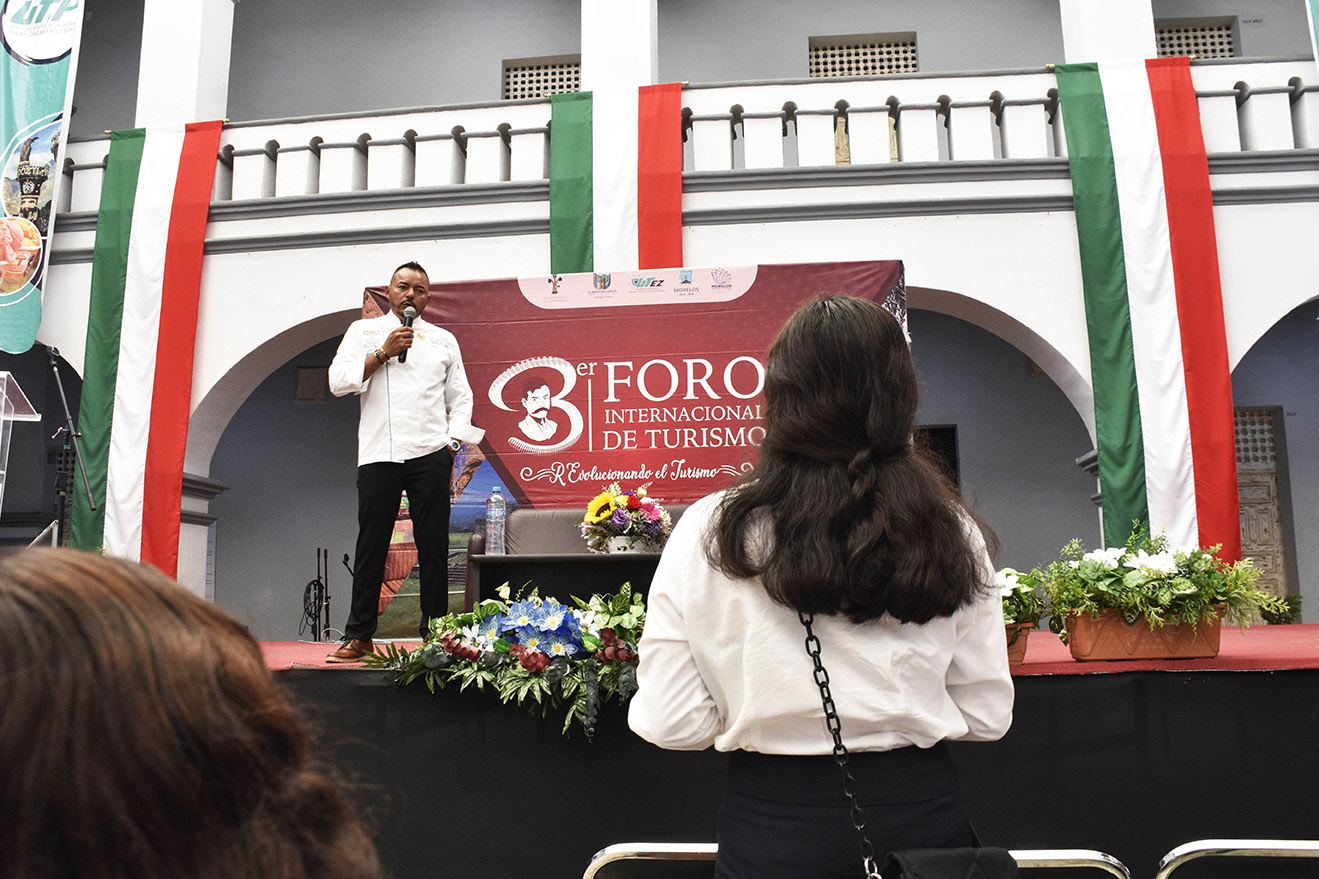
(1261,648)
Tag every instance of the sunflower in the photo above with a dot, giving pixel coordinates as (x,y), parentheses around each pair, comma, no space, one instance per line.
(600,508)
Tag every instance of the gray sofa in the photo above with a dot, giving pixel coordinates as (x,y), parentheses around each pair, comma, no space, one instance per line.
(547,530)
(544,531)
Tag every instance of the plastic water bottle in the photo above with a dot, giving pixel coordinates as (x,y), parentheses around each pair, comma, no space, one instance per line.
(496,514)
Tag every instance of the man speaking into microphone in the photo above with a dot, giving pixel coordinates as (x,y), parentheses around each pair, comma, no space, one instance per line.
(416,411)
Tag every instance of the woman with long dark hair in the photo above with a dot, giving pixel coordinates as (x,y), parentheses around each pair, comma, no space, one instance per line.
(846,520)
(142,736)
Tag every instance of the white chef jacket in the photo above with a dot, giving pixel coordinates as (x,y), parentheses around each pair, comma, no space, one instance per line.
(722,664)
(407,409)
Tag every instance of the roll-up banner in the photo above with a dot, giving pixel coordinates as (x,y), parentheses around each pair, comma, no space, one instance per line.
(40,39)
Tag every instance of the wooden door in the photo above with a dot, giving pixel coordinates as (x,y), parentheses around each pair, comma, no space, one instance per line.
(1259,450)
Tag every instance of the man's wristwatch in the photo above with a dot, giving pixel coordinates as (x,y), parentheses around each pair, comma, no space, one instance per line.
(455,445)
(380,355)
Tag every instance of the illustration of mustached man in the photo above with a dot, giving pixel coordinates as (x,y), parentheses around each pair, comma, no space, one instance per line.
(536,400)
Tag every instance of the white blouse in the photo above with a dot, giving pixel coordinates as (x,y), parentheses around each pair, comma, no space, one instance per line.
(722,664)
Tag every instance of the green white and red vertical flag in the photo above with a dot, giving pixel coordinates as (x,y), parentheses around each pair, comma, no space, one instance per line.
(616,179)
(1153,302)
(137,385)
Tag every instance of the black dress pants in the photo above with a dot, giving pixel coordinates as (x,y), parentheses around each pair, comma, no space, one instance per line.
(380,487)
(786,817)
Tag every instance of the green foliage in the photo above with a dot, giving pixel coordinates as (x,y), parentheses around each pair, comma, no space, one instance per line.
(624,612)
(1148,580)
(1022,601)
(1290,614)
(578,684)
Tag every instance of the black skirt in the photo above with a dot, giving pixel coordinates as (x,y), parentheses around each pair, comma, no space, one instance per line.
(787,816)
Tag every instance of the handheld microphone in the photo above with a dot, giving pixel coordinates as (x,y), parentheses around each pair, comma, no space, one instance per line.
(409,315)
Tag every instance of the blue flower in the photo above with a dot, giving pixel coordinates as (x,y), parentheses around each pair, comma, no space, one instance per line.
(532,639)
(620,517)
(557,645)
(572,625)
(552,616)
(489,630)
(523,614)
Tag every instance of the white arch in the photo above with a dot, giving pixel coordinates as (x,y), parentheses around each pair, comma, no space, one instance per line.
(213,412)
(1072,378)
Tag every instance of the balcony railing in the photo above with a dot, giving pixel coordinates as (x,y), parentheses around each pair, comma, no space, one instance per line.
(1245,107)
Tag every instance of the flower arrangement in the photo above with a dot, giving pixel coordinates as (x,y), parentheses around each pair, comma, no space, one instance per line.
(1021,603)
(1149,579)
(533,651)
(629,515)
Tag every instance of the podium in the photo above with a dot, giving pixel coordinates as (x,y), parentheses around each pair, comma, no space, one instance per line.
(14,406)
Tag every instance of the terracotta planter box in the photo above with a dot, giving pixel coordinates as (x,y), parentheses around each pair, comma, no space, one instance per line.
(1017,634)
(1109,636)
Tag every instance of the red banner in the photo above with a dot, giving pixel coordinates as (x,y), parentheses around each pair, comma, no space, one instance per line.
(637,377)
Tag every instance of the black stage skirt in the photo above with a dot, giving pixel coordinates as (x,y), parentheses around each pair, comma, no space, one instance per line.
(785,816)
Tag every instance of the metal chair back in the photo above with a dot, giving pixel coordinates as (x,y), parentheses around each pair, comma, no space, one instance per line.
(1235,848)
(695,860)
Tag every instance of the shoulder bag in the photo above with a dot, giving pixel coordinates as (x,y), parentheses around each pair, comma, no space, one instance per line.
(972,862)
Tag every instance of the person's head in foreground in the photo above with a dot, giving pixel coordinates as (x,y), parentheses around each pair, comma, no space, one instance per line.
(863,520)
(142,736)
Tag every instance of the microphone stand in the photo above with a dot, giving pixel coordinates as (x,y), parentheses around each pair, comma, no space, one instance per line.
(323,599)
(71,436)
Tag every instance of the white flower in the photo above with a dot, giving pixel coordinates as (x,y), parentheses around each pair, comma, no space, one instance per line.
(1109,558)
(586,619)
(1007,581)
(1158,563)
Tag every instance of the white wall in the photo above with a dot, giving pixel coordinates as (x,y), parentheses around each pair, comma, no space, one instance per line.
(705,41)
(333,56)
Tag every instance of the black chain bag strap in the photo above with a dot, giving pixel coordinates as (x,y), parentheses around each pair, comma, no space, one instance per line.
(972,862)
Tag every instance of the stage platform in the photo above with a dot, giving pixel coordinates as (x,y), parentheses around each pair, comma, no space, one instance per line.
(1262,648)
(284,655)
(1129,758)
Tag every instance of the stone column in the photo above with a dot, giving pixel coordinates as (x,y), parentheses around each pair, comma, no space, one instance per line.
(1107,31)
(184,72)
(620,43)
